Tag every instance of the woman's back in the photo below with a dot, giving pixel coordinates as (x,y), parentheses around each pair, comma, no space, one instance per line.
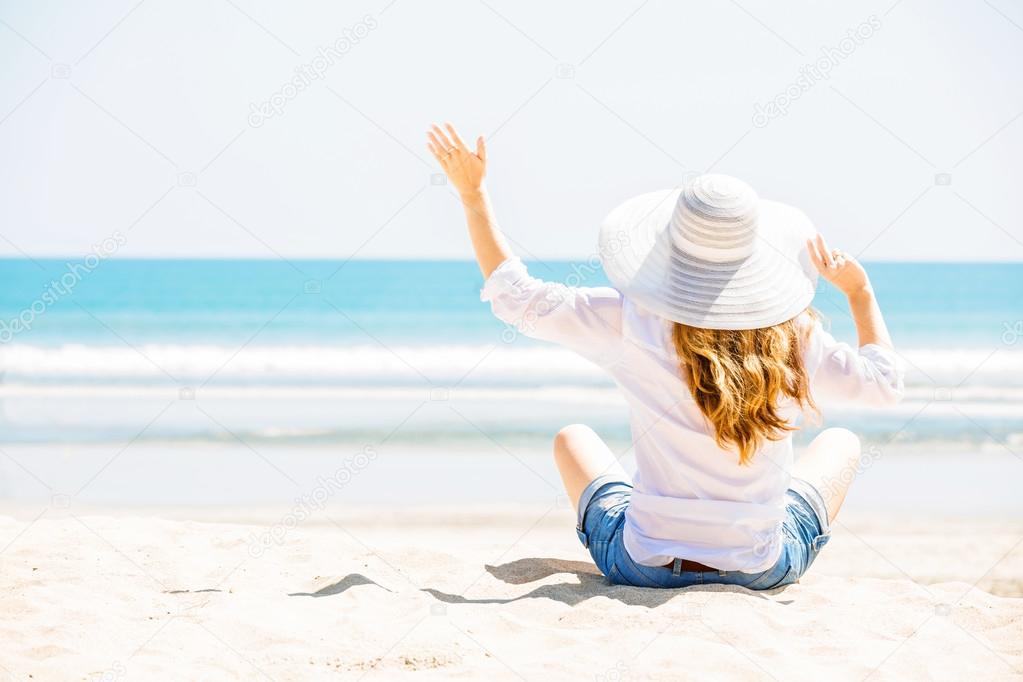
(707,334)
(692,497)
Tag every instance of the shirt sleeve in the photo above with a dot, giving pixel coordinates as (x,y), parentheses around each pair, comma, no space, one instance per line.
(587,320)
(871,374)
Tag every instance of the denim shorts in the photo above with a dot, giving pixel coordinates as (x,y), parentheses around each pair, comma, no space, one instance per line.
(602,506)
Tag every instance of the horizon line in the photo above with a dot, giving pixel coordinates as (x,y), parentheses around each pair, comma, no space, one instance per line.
(342,259)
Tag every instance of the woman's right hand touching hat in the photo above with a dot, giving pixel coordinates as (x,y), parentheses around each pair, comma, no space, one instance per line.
(839,268)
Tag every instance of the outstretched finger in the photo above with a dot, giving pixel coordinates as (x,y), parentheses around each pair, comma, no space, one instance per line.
(815,258)
(455,136)
(438,145)
(825,252)
(445,143)
(433,150)
(481,148)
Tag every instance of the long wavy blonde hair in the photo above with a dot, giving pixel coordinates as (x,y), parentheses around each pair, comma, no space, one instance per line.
(739,377)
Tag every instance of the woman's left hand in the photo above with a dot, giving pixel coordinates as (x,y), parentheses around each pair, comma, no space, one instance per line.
(839,268)
(465,169)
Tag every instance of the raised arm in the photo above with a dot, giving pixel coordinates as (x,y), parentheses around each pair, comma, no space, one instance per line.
(849,277)
(584,319)
(466,171)
(873,373)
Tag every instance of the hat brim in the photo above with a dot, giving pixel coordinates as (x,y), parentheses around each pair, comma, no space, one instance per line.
(771,285)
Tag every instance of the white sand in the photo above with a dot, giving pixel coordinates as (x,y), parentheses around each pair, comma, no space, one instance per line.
(476,593)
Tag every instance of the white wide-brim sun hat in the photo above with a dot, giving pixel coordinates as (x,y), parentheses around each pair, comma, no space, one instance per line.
(711,255)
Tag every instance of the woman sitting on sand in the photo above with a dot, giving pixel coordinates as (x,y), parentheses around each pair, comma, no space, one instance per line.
(709,334)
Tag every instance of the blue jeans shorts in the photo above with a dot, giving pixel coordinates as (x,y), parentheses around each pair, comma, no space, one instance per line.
(602,506)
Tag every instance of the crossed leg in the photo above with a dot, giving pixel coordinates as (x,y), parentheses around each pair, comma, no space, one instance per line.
(830,463)
(581,456)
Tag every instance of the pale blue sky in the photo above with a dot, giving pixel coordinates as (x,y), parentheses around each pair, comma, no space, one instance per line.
(111,111)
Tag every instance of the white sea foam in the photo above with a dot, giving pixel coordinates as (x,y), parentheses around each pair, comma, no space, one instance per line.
(346,365)
(367,365)
(439,394)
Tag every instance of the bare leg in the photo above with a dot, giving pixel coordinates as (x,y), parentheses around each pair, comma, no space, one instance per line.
(831,464)
(581,456)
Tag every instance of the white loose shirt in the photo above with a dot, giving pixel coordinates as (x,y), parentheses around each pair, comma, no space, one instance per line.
(691,498)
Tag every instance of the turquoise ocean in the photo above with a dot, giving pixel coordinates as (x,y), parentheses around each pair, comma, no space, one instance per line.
(324,352)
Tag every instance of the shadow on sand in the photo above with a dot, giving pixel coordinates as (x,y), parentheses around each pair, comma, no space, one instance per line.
(349,581)
(590,584)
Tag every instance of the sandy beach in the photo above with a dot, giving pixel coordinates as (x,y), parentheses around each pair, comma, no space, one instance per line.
(282,373)
(483,592)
